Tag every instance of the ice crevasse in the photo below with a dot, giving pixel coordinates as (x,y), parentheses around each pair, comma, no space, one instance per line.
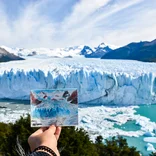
(98,81)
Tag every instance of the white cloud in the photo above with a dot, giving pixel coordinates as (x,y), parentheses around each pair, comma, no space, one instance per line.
(29,30)
(140,27)
(116,22)
(82,12)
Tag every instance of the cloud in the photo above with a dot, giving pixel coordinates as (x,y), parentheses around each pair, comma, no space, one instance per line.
(134,25)
(46,23)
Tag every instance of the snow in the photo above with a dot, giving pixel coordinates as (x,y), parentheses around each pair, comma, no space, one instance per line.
(98,81)
(88,51)
(102,45)
(46,52)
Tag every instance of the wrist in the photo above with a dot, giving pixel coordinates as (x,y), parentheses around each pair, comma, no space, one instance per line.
(46,149)
(49,154)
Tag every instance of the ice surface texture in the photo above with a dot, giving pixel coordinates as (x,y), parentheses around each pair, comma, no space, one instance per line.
(97,81)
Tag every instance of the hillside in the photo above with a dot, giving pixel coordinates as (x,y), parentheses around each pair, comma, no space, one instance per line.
(141,51)
(5,56)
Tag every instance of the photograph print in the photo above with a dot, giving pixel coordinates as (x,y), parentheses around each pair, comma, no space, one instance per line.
(54,107)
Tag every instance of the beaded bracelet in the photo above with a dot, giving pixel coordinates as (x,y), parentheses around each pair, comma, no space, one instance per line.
(46,149)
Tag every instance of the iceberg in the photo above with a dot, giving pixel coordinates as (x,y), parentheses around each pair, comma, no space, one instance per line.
(149,134)
(150,139)
(150,147)
(121,82)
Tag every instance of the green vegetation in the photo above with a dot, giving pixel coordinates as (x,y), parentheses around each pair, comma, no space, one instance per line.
(72,142)
(152,154)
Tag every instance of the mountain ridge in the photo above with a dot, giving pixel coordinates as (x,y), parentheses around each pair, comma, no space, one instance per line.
(67,52)
(141,51)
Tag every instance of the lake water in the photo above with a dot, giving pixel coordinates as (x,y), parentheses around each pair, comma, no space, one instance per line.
(10,110)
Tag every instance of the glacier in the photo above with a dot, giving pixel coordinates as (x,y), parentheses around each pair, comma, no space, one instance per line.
(98,81)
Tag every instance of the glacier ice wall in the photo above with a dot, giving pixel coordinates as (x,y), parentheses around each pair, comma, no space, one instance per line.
(96,83)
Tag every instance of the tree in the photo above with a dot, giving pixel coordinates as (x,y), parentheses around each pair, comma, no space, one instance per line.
(99,139)
(21,130)
(117,146)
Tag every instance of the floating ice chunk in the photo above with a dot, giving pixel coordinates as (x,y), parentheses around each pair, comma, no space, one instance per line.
(150,139)
(85,119)
(150,147)
(148,134)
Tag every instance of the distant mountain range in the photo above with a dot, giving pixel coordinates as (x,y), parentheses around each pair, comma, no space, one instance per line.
(68,52)
(5,56)
(141,51)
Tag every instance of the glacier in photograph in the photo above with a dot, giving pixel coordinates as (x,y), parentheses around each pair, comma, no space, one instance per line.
(98,81)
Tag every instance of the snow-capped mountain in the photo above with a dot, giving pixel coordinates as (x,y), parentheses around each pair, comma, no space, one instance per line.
(46,52)
(96,52)
(68,52)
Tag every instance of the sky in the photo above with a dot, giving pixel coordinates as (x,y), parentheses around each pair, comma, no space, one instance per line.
(64,23)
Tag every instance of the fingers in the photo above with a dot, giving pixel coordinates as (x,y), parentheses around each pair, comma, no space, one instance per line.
(52,129)
(57,132)
(39,131)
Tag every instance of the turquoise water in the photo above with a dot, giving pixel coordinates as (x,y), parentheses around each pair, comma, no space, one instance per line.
(148,111)
(128,126)
(139,143)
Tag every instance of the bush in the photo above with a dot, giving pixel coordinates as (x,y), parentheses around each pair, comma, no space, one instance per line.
(8,140)
(72,142)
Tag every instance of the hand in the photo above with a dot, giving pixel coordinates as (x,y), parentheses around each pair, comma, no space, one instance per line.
(45,137)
